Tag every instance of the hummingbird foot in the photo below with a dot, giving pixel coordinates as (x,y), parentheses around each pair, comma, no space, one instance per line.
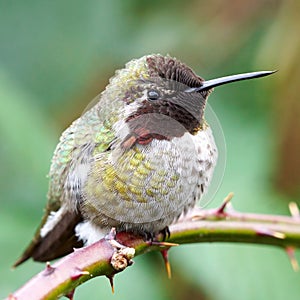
(151,236)
(148,236)
(154,240)
(165,233)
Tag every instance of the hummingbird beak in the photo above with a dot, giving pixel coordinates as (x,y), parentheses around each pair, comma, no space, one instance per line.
(209,84)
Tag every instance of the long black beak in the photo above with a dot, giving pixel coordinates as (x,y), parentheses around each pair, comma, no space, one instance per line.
(209,84)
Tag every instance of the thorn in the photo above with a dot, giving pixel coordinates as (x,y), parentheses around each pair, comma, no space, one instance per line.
(230,208)
(278,235)
(70,295)
(272,233)
(112,234)
(198,217)
(111,282)
(294,210)
(79,273)
(227,199)
(165,256)
(163,244)
(115,244)
(290,251)
(111,238)
(11,297)
(49,269)
(216,213)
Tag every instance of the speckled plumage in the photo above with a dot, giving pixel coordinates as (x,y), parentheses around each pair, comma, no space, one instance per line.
(137,159)
(130,162)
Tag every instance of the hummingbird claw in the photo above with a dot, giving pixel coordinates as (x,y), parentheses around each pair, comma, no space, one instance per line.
(150,236)
(165,233)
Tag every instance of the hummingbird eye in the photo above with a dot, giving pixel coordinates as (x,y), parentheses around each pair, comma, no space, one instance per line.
(153,95)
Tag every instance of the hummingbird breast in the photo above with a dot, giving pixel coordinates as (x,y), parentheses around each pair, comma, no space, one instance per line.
(147,187)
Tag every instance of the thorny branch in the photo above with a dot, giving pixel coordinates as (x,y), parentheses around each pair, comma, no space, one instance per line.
(115,252)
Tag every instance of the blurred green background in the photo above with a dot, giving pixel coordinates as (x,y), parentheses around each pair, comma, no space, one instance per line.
(55,56)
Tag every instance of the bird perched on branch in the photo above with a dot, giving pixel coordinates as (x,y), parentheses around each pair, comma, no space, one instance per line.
(136,160)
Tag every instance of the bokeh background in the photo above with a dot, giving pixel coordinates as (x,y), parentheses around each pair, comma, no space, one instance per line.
(55,56)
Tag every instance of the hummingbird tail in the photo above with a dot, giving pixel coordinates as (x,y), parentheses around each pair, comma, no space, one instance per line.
(59,241)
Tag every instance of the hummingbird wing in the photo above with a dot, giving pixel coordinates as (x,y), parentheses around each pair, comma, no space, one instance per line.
(55,237)
(60,221)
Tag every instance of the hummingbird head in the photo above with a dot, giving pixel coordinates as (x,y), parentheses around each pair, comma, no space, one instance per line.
(163,109)
(164,98)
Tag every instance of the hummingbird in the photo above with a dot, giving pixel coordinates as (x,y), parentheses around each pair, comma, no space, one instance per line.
(137,159)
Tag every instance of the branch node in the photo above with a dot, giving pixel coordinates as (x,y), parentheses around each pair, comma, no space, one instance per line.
(290,251)
(122,258)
